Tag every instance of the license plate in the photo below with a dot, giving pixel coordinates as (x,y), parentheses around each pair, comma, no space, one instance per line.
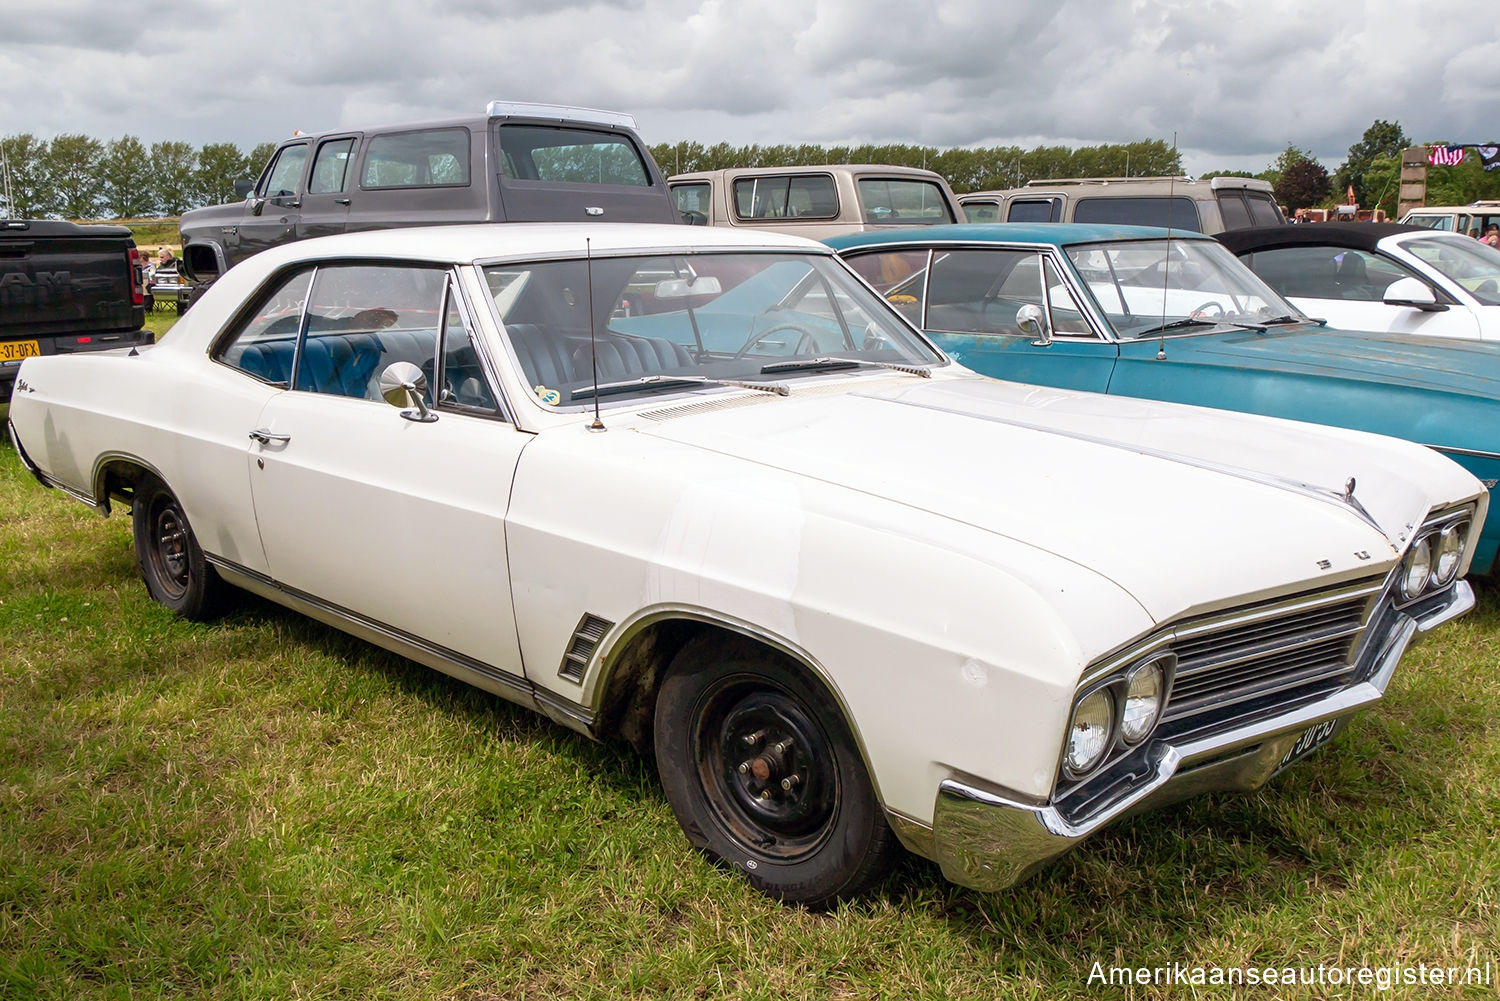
(16,350)
(1312,738)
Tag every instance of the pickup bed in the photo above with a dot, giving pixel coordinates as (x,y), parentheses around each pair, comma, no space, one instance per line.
(66,288)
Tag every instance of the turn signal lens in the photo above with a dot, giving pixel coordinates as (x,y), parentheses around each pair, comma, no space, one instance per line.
(1089,731)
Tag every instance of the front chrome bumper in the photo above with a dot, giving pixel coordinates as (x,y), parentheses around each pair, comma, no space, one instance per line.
(987,841)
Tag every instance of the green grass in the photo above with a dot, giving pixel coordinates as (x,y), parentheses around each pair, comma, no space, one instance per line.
(261,807)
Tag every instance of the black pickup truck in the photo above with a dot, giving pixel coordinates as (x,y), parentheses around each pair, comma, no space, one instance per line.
(65,288)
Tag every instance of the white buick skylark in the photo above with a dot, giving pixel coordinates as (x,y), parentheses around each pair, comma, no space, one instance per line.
(705,491)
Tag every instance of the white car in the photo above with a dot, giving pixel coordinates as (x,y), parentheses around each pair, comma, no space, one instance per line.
(1380,276)
(706,491)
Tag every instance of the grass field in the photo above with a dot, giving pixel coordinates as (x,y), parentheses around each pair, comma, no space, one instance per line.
(261,807)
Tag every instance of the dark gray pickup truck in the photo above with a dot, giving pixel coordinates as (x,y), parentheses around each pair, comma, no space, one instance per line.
(515,163)
(65,288)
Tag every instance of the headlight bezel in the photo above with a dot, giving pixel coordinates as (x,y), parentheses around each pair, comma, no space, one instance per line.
(1434,557)
(1115,688)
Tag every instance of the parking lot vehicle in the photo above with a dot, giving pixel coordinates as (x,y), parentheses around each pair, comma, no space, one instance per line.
(830,617)
(1135,311)
(167,289)
(1461,219)
(66,288)
(815,201)
(1212,205)
(515,163)
(1379,276)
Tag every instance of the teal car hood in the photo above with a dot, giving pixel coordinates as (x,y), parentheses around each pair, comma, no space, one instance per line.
(1459,367)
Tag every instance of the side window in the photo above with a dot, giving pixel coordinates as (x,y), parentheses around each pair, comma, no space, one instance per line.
(1179,212)
(286,172)
(433,158)
(570,156)
(1034,210)
(790,196)
(464,383)
(1327,272)
(895,201)
(981,291)
(692,202)
(1234,210)
(1263,209)
(362,318)
(899,275)
(331,167)
(982,211)
(265,345)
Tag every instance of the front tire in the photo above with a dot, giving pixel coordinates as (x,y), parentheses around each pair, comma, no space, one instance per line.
(171,561)
(764,775)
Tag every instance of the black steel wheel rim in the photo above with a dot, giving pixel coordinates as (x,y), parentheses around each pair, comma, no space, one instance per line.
(767,768)
(169,547)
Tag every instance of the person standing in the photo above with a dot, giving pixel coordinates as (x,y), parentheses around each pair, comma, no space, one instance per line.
(1492,236)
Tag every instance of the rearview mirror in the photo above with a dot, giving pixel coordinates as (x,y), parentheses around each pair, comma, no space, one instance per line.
(681,288)
(243,186)
(1033,321)
(1414,294)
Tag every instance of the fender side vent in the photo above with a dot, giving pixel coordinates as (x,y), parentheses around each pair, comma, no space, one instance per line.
(586,637)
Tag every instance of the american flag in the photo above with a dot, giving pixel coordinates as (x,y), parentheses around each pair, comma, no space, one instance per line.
(1446,156)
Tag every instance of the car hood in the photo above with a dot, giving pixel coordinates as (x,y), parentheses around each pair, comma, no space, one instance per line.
(1184,508)
(1448,365)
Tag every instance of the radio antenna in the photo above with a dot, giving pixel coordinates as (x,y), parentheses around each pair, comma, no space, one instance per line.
(1161,344)
(588,260)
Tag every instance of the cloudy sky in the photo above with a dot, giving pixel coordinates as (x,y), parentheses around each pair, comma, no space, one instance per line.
(1235,80)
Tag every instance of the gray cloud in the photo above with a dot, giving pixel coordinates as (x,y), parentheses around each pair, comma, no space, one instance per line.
(1236,81)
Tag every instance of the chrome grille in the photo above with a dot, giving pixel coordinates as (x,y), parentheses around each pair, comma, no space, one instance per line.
(1266,659)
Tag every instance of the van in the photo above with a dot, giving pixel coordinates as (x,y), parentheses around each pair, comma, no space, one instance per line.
(515,163)
(815,202)
(1211,206)
(1462,219)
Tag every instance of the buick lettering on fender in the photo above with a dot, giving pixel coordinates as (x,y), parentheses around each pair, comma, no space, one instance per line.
(706,491)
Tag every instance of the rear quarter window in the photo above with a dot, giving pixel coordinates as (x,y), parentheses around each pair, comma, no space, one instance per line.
(570,156)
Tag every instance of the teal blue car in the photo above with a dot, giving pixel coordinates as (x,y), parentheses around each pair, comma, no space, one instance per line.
(1139,311)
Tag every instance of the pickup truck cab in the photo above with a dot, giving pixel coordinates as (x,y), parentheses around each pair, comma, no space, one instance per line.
(515,163)
(815,202)
(66,288)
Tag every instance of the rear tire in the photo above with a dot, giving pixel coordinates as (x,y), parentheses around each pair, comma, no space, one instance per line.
(764,775)
(171,561)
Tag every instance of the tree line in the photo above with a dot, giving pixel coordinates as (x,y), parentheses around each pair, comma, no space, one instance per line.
(79,177)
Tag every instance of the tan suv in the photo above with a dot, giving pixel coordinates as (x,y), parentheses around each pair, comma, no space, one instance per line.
(815,202)
(1210,206)
(1461,219)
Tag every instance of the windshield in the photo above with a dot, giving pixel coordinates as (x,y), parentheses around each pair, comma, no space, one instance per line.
(1474,265)
(1144,287)
(656,324)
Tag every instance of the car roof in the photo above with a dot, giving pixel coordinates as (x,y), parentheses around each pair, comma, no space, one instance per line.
(1056,233)
(858,169)
(447,244)
(1355,235)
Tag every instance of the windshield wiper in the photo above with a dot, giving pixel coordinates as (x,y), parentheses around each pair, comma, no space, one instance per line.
(808,364)
(1186,321)
(669,381)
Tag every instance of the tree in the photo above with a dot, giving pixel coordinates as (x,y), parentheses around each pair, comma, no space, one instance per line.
(125,170)
(1382,140)
(23,159)
(219,166)
(172,171)
(1303,184)
(73,167)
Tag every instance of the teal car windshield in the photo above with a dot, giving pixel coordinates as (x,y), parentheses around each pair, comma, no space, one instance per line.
(1146,288)
(615,329)
(1470,263)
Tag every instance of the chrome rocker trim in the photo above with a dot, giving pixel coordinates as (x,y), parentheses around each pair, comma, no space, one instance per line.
(987,841)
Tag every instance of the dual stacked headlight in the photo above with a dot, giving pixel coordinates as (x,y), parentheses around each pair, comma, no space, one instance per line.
(1120,711)
(1433,560)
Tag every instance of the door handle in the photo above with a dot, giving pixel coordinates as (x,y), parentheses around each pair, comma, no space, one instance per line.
(266,437)
(342,201)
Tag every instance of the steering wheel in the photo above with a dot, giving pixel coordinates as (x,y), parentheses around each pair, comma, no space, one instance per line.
(1209,308)
(807,341)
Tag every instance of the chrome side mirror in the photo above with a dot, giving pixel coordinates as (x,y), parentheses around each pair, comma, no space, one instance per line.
(1033,321)
(402,384)
(1413,293)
